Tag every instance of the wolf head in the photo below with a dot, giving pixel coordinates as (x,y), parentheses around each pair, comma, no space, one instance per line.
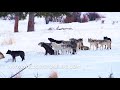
(105,37)
(51,39)
(40,43)
(8,52)
(80,39)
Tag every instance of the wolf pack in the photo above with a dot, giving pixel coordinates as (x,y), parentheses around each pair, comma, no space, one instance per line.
(62,47)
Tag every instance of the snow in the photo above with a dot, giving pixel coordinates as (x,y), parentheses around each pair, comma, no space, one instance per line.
(85,64)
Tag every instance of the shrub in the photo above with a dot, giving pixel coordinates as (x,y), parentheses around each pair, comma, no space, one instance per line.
(93,16)
(53,75)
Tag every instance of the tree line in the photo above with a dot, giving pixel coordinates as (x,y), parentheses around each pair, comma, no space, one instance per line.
(49,16)
(22,15)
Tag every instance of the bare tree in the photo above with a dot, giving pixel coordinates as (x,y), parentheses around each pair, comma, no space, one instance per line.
(31,22)
(16,22)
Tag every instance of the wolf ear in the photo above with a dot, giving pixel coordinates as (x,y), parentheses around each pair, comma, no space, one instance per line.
(9,50)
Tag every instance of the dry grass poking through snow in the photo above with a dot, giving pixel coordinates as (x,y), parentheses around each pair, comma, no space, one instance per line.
(8,41)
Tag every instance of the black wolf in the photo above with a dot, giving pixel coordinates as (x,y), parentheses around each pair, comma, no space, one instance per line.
(47,48)
(15,54)
(53,40)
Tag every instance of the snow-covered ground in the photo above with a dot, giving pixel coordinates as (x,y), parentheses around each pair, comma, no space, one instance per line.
(85,64)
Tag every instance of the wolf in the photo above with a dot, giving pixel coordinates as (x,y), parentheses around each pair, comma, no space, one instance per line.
(85,48)
(53,40)
(106,38)
(47,48)
(93,42)
(15,54)
(106,43)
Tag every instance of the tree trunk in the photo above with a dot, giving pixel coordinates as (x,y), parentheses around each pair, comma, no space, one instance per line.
(47,20)
(16,22)
(31,22)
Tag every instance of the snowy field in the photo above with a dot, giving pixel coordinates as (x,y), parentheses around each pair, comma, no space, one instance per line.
(85,64)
